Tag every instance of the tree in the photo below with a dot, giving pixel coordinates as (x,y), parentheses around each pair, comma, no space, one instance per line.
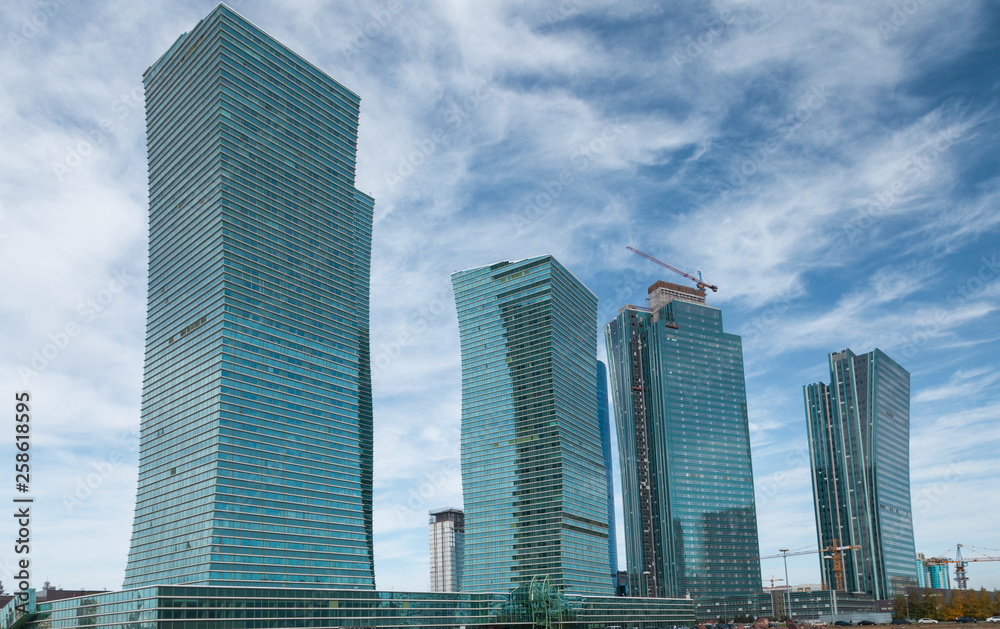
(899,607)
(980,604)
(956,607)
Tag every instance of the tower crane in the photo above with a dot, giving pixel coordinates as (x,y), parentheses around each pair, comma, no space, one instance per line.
(961,578)
(702,285)
(835,551)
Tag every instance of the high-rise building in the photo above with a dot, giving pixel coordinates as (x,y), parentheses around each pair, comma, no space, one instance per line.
(938,574)
(447,546)
(859,447)
(255,463)
(923,575)
(532,470)
(684,448)
(604,422)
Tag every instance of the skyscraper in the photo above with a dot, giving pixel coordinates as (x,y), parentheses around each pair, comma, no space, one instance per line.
(684,447)
(859,447)
(255,464)
(532,470)
(604,422)
(447,546)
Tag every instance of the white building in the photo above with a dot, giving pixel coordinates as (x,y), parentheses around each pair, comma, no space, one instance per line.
(447,537)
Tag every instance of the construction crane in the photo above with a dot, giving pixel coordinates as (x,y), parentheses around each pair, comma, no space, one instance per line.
(702,285)
(961,578)
(834,549)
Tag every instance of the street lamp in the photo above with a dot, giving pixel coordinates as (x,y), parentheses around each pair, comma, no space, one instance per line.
(788,589)
(906,599)
(833,592)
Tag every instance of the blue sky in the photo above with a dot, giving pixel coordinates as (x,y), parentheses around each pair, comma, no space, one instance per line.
(831,166)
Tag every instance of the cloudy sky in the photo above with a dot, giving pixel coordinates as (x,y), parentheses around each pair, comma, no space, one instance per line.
(831,166)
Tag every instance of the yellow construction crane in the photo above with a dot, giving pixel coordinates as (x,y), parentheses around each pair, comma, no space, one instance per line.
(835,550)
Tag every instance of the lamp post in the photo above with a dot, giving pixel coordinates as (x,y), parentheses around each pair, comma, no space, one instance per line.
(906,599)
(788,589)
(833,593)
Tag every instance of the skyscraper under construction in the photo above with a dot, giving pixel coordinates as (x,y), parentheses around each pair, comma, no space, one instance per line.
(684,447)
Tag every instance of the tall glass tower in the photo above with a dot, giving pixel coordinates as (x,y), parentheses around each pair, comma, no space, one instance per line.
(684,448)
(255,463)
(532,470)
(859,446)
(604,422)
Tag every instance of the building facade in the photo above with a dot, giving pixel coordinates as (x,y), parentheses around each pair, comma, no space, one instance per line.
(447,547)
(184,607)
(255,463)
(938,574)
(533,475)
(604,422)
(815,606)
(684,448)
(859,447)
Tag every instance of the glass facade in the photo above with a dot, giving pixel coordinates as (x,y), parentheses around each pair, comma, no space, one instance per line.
(533,474)
(186,607)
(859,445)
(684,446)
(604,422)
(810,605)
(256,435)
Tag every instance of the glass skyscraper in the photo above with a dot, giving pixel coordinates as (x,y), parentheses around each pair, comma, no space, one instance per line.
(604,422)
(684,447)
(255,464)
(533,474)
(859,446)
